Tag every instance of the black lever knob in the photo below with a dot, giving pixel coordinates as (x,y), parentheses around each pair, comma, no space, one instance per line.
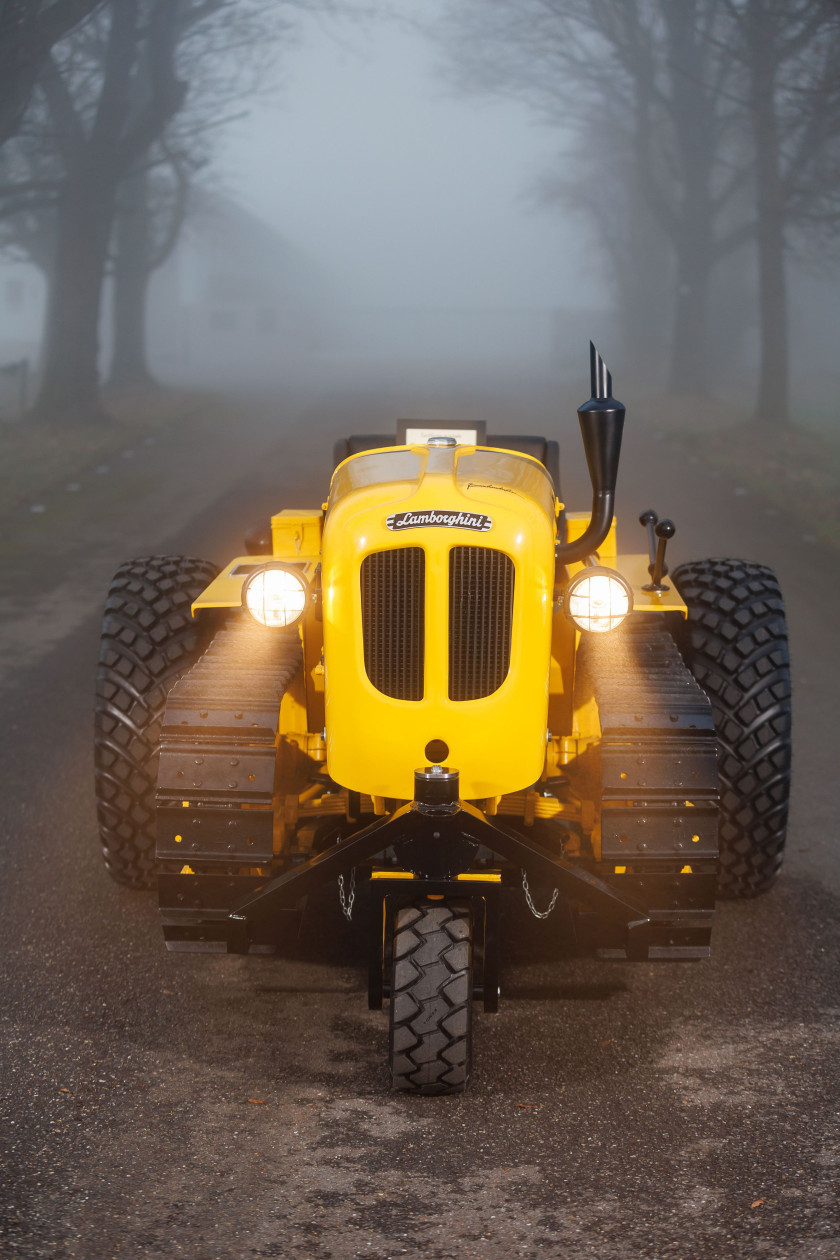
(649,519)
(664,530)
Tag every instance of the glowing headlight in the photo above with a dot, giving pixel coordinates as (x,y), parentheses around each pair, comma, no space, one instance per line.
(598,600)
(275,596)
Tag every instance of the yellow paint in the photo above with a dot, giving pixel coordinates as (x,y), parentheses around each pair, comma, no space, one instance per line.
(312,639)
(576,526)
(225,591)
(634,569)
(480,877)
(187,870)
(185,804)
(296,533)
(392,875)
(587,721)
(316,673)
(531,804)
(178,839)
(294,723)
(686,870)
(621,870)
(497,743)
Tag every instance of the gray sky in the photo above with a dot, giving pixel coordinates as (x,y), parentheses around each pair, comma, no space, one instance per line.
(406,194)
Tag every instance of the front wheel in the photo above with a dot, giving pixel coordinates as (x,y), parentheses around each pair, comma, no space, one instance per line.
(431,997)
(735,644)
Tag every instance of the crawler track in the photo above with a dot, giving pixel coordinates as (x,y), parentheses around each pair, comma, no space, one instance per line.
(216,781)
(659,790)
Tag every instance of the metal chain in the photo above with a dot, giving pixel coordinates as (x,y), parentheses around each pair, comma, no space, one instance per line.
(538,914)
(347,901)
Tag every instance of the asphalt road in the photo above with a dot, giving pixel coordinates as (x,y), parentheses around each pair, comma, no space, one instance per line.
(169,1105)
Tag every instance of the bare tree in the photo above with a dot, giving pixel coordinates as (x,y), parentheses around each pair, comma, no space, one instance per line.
(717,120)
(790,50)
(646,85)
(227,64)
(28,31)
(121,120)
(99,132)
(151,209)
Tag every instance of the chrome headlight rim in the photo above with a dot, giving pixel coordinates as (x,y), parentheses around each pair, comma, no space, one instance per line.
(259,574)
(616,618)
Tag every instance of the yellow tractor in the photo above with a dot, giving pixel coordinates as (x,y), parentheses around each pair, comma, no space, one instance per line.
(441,693)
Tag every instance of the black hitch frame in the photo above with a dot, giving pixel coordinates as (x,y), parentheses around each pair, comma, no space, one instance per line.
(409,830)
(388,894)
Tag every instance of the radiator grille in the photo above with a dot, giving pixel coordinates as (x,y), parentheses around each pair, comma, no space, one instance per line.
(393,621)
(480,616)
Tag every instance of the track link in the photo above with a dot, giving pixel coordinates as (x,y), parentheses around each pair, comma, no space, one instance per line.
(659,786)
(216,780)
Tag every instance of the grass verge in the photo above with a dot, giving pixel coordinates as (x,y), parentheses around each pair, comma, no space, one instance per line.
(796,469)
(36,457)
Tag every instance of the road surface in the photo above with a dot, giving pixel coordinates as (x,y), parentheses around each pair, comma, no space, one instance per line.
(208,1107)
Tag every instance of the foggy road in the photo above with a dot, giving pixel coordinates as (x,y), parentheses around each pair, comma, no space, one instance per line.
(210,1107)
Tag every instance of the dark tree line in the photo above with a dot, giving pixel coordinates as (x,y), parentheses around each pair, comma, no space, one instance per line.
(108,120)
(700,129)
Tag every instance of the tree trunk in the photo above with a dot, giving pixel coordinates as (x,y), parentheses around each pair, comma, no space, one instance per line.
(693,113)
(129,364)
(70,381)
(773,401)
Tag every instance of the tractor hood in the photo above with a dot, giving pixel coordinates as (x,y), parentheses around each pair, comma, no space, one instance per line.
(437,579)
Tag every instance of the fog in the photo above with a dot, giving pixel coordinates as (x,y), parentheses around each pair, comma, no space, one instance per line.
(406,193)
(387,191)
(413,210)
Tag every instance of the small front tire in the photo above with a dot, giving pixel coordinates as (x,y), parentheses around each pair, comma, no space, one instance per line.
(431,997)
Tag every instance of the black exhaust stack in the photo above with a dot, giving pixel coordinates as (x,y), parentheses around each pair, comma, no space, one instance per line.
(601,426)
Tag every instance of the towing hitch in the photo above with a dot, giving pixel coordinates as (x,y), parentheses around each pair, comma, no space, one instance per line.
(433,837)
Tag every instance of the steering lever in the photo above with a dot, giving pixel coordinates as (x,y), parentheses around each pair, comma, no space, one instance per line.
(658,533)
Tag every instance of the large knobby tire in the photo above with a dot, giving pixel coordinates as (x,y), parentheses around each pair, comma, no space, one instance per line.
(431,997)
(149,639)
(735,644)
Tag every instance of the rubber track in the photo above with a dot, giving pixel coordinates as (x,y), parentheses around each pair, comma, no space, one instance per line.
(431,998)
(149,639)
(736,646)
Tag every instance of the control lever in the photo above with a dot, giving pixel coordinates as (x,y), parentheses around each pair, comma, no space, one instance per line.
(658,533)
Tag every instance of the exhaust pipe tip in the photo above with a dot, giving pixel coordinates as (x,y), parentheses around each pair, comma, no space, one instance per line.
(601,420)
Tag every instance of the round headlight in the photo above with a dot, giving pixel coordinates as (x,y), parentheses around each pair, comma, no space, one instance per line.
(275,596)
(598,599)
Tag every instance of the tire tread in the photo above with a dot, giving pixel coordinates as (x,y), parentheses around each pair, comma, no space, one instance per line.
(149,639)
(431,998)
(735,644)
